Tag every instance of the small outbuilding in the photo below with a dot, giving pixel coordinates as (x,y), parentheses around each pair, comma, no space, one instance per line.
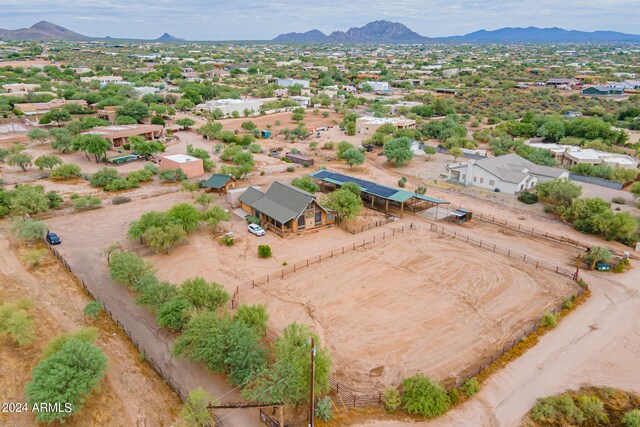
(220,183)
(193,167)
(299,159)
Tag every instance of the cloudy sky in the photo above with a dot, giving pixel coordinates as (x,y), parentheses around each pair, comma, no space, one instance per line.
(264,19)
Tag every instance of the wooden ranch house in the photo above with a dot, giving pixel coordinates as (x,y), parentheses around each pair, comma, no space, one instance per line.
(220,183)
(285,209)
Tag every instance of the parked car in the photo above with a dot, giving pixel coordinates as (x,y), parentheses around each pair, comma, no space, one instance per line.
(255,229)
(53,238)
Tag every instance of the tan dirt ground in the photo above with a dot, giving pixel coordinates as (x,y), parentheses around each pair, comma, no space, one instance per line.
(132,390)
(403,306)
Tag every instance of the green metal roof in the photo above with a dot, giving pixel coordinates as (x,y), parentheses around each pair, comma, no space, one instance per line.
(430,199)
(216,181)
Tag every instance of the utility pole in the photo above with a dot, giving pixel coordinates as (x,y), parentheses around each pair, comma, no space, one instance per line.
(595,259)
(313,380)
(578,267)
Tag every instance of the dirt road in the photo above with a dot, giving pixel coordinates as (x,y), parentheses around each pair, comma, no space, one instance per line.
(598,344)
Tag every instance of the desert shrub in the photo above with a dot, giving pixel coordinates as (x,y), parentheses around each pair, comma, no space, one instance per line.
(631,418)
(421,190)
(120,184)
(619,200)
(567,303)
(103,177)
(16,322)
(264,251)
(156,294)
(172,175)
(290,168)
(86,202)
(402,182)
(204,295)
(127,268)
(391,399)
(93,309)
(67,171)
(138,176)
(305,183)
(227,240)
(28,230)
(252,219)
(33,257)
(549,320)
(195,413)
(151,168)
(528,197)
(423,396)
(454,396)
(557,410)
(173,313)
(254,316)
(593,410)
(120,200)
(324,409)
(470,387)
(328,146)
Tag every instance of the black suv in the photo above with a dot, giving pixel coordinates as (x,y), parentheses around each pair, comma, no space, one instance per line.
(53,238)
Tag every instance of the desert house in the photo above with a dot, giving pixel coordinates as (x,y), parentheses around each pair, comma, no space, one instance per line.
(571,155)
(509,173)
(192,167)
(38,108)
(292,82)
(369,125)
(299,159)
(230,106)
(600,90)
(19,88)
(285,209)
(118,134)
(220,183)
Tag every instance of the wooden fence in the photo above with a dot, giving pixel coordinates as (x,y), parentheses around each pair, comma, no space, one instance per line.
(265,280)
(526,258)
(113,317)
(355,230)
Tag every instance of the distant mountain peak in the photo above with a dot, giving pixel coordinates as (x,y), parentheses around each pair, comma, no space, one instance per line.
(533,34)
(166,37)
(42,30)
(374,32)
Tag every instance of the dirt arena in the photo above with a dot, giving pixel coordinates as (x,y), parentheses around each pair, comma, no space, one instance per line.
(401,307)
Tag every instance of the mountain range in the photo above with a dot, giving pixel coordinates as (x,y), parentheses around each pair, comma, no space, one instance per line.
(373,32)
(395,32)
(44,31)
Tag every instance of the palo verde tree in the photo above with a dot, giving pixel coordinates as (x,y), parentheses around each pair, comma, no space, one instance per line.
(287,379)
(91,144)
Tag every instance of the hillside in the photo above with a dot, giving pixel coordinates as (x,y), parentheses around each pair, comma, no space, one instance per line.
(42,30)
(541,35)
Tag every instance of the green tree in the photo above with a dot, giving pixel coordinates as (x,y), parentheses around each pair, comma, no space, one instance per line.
(559,192)
(135,109)
(144,147)
(204,199)
(249,126)
(186,215)
(23,160)
(125,120)
(398,150)
(287,380)
(341,147)
(61,140)
(305,183)
(48,162)
(195,412)
(455,152)
(38,135)
(174,313)
(185,123)
(68,376)
(91,144)
(214,215)
(57,116)
(353,156)
(254,316)
(28,230)
(429,151)
(223,345)
(553,130)
(344,203)
(423,396)
(127,268)
(67,171)
(163,239)
(210,130)
(28,199)
(202,294)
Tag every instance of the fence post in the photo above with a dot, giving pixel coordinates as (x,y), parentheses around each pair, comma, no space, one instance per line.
(524,258)
(354,401)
